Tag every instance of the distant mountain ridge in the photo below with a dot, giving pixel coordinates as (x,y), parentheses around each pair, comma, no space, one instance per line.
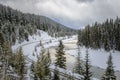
(17,25)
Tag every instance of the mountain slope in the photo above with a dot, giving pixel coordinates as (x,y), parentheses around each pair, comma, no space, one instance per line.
(17,25)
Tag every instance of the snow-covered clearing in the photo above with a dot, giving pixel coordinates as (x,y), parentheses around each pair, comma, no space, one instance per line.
(99,57)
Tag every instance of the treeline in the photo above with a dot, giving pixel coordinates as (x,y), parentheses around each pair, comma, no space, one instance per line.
(17,25)
(101,35)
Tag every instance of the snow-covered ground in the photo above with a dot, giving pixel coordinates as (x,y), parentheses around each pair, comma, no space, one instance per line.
(40,35)
(31,46)
(98,58)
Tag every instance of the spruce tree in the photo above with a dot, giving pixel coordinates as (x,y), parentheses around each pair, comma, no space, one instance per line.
(106,43)
(5,58)
(47,63)
(5,55)
(109,73)
(39,71)
(60,56)
(42,52)
(39,68)
(45,59)
(2,41)
(56,76)
(2,38)
(79,65)
(87,72)
(19,63)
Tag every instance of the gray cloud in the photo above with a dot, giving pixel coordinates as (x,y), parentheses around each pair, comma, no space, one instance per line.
(85,0)
(73,13)
(23,5)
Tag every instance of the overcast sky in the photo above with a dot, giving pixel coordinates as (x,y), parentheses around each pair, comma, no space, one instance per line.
(72,13)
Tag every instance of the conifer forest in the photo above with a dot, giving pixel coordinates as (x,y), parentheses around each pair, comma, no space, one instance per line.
(59,40)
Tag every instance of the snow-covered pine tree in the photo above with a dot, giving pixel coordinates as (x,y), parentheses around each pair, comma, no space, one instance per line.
(109,73)
(60,56)
(79,65)
(87,72)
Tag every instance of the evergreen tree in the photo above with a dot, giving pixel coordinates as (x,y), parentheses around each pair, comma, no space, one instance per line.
(60,56)
(7,50)
(39,71)
(2,42)
(5,56)
(47,64)
(42,70)
(79,65)
(2,38)
(106,43)
(19,63)
(42,52)
(56,76)
(39,68)
(109,73)
(87,72)
(70,76)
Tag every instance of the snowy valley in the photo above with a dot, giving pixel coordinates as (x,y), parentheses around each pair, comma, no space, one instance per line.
(42,47)
(98,58)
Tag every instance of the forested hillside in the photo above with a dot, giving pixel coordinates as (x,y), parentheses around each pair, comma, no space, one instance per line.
(15,25)
(101,35)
